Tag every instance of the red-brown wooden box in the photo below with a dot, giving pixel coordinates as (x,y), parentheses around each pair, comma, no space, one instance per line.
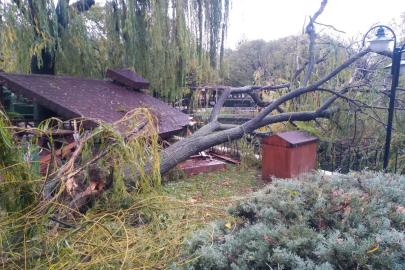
(288,154)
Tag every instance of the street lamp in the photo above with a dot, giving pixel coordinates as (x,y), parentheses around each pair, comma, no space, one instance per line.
(379,44)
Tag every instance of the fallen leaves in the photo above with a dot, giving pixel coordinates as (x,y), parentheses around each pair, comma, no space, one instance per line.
(225,183)
(373,250)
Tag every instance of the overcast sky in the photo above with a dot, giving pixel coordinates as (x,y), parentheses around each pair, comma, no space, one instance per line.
(273,19)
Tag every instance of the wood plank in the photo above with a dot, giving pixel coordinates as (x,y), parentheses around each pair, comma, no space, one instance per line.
(58,152)
(224,158)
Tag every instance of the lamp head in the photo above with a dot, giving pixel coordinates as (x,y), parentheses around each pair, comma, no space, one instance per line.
(380,42)
(401,68)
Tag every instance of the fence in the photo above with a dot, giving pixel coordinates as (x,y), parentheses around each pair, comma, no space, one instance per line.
(30,123)
(234,148)
(248,145)
(337,157)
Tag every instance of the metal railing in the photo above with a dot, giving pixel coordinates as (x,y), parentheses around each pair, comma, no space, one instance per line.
(337,157)
(233,148)
(237,148)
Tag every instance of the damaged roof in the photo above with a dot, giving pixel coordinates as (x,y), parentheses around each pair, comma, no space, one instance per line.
(106,100)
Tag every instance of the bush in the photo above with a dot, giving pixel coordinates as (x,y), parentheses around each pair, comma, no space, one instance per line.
(318,222)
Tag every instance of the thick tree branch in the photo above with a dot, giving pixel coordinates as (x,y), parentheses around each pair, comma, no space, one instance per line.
(250,88)
(288,116)
(219,104)
(215,133)
(330,26)
(258,101)
(320,10)
(264,104)
(249,126)
(200,141)
(310,30)
(298,71)
(297,116)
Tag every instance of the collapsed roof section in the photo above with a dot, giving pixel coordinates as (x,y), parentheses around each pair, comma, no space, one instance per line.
(105,100)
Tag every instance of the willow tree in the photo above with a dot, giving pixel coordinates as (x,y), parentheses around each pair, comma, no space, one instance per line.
(160,40)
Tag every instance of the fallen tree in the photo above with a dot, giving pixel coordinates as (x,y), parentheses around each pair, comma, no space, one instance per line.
(361,77)
(215,133)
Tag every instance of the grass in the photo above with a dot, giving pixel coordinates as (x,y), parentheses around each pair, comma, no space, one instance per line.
(236,180)
(208,195)
(216,189)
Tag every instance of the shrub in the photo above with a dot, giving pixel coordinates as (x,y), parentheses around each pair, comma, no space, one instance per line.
(317,222)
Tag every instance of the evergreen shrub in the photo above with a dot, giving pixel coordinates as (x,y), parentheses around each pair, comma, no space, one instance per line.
(351,221)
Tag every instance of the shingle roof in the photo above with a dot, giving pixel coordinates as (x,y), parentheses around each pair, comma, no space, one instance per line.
(106,100)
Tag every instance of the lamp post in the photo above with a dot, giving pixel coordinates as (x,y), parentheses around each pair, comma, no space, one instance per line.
(379,44)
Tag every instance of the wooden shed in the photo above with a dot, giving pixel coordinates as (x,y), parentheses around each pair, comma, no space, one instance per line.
(288,154)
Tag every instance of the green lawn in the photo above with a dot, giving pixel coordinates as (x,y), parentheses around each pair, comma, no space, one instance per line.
(236,180)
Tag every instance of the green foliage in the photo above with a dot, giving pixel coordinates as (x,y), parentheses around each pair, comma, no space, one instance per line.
(317,222)
(310,128)
(21,183)
(246,150)
(15,176)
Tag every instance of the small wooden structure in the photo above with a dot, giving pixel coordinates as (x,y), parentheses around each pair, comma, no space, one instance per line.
(288,154)
(196,165)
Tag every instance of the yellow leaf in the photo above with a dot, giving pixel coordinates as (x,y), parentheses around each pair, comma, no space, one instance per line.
(228,225)
(371,251)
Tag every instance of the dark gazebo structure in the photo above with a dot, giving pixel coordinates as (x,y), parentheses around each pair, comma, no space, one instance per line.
(106,100)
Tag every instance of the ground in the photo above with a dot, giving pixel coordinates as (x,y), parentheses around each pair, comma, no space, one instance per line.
(216,188)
